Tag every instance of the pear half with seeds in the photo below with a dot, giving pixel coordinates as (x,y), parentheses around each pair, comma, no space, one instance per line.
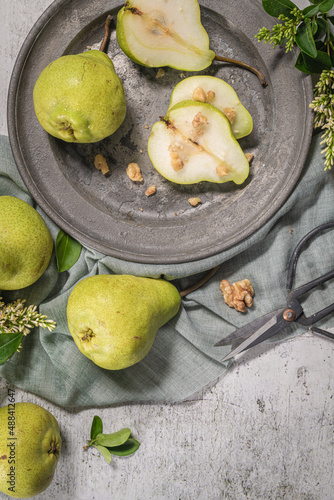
(218,93)
(164,33)
(194,143)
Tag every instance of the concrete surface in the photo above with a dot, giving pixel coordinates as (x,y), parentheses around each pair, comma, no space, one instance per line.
(264,431)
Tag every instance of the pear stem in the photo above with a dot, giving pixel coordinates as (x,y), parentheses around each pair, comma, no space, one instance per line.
(199,283)
(244,65)
(106,33)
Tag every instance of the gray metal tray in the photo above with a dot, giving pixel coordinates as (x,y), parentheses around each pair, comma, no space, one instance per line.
(111,214)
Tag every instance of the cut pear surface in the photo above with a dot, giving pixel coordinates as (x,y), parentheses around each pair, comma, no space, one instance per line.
(194,143)
(164,33)
(218,93)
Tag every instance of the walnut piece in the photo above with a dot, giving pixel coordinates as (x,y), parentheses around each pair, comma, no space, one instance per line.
(230,114)
(210,95)
(199,95)
(151,190)
(238,295)
(222,169)
(194,201)
(249,157)
(101,164)
(134,173)
(199,120)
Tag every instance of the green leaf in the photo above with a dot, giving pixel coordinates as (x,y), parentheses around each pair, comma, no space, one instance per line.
(114,439)
(276,7)
(314,65)
(96,428)
(311,10)
(127,448)
(9,343)
(331,19)
(304,38)
(104,452)
(67,251)
(326,5)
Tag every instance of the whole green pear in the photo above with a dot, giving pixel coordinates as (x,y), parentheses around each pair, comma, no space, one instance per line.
(80,98)
(25,245)
(29,449)
(114,319)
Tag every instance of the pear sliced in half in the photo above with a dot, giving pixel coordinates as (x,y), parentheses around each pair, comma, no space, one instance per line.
(164,33)
(194,143)
(218,93)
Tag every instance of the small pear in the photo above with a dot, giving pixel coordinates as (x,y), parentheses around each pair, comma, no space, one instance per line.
(194,143)
(219,94)
(25,246)
(164,33)
(80,98)
(30,445)
(114,319)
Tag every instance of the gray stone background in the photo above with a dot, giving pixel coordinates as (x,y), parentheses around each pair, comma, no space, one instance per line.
(264,431)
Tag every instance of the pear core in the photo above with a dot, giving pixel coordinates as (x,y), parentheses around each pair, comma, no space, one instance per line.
(114,319)
(30,446)
(26,244)
(79,98)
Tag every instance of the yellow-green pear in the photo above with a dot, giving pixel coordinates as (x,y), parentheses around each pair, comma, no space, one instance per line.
(25,245)
(80,98)
(114,319)
(30,445)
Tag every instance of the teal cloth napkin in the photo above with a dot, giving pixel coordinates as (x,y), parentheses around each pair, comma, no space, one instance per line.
(183,359)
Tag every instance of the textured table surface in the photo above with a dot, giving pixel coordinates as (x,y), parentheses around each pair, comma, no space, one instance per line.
(264,431)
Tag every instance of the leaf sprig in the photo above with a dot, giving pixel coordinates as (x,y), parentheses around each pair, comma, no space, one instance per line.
(16,321)
(117,443)
(309,30)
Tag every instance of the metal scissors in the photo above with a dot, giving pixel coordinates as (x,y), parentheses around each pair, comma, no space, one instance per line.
(270,324)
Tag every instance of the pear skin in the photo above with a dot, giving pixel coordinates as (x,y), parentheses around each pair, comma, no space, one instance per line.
(29,449)
(80,98)
(114,319)
(26,244)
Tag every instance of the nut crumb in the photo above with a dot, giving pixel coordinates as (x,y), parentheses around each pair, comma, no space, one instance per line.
(160,73)
(230,114)
(134,173)
(194,201)
(222,169)
(199,95)
(101,164)
(151,190)
(199,120)
(238,295)
(211,95)
(249,157)
(140,209)
(146,126)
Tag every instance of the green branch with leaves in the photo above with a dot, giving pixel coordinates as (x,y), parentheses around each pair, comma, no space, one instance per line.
(309,30)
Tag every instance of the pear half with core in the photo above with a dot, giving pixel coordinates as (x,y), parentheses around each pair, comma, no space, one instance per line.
(218,93)
(114,319)
(194,143)
(26,244)
(164,33)
(29,449)
(80,98)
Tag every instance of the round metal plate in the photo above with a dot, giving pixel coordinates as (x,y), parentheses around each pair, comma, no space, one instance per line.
(110,213)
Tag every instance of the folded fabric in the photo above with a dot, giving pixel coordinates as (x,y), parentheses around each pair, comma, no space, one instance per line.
(183,359)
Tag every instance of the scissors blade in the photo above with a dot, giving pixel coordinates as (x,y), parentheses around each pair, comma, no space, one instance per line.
(247,330)
(267,330)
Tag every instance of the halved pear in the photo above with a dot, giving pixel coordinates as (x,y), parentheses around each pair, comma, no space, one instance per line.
(194,143)
(218,93)
(164,33)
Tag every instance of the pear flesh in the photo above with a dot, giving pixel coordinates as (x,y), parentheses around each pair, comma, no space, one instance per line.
(195,143)
(219,94)
(30,445)
(164,33)
(80,98)
(114,319)
(26,244)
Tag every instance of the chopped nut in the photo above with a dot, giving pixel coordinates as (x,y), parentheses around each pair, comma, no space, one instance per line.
(160,73)
(151,190)
(194,201)
(199,120)
(101,164)
(211,95)
(146,126)
(134,173)
(222,169)
(199,95)
(230,114)
(177,163)
(238,295)
(249,157)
